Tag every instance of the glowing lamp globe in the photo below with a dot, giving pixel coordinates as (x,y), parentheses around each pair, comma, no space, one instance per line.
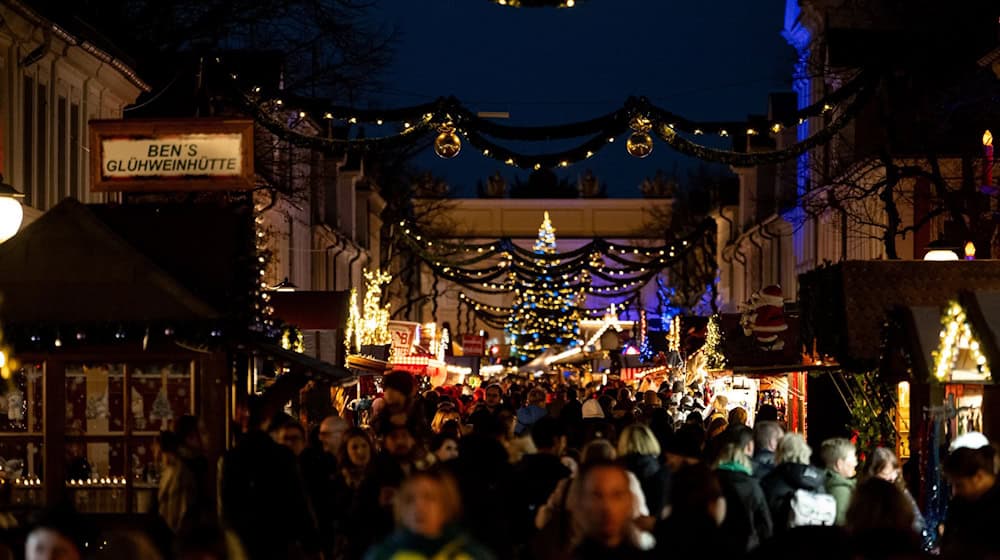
(941,250)
(11,212)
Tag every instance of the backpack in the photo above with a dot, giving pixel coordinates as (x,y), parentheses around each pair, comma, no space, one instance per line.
(811,508)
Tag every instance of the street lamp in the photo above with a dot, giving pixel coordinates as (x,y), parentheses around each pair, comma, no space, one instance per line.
(941,250)
(11,212)
(285,286)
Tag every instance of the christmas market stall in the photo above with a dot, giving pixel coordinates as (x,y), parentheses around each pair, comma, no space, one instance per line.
(754,360)
(941,361)
(117,321)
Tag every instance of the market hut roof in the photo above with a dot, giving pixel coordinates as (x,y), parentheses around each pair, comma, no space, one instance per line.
(915,334)
(844,306)
(69,267)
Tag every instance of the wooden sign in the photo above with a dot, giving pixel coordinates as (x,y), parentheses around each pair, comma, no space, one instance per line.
(154,155)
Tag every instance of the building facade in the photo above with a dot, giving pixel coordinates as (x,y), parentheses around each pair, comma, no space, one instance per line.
(52,82)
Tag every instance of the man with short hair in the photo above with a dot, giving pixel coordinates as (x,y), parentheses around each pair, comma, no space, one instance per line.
(765,442)
(605,514)
(331,433)
(841,459)
(293,436)
(490,408)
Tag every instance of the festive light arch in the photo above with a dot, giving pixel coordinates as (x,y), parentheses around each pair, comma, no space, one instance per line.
(453,123)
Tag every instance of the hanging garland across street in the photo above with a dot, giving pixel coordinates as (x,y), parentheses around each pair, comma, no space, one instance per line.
(599,268)
(453,124)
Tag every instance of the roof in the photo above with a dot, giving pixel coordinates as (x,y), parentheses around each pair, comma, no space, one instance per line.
(844,306)
(311,310)
(75,31)
(69,267)
(918,332)
(206,247)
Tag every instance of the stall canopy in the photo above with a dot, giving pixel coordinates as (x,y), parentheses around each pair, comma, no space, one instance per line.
(844,306)
(70,268)
(977,318)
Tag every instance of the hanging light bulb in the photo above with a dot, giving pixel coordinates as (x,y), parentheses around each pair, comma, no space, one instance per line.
(640,143)
(447,144)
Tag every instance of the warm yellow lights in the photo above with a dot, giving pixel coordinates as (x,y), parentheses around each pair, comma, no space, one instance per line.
(970,251)
(370,326)
(956,335)
(987,138)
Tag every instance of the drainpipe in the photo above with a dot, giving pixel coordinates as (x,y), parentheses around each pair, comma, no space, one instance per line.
(342,243)
(350,264)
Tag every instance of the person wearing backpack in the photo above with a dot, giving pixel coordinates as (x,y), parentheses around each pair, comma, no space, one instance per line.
(794,489)
(841,460)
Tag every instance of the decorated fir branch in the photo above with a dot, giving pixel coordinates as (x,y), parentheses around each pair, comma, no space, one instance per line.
(368,326)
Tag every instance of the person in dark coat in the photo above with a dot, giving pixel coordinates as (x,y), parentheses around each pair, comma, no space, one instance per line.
(765,443)
(263,495)
(970,527)
(697,510)
(490,408)
(485,478)
(572,412)
(748,519)
(639,452)
(793,472)
(537,474)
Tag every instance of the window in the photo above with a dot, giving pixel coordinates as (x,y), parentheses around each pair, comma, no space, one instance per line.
(21,423)
(74,151)
(27,138)
(42,179)
(114,414)
(61,185)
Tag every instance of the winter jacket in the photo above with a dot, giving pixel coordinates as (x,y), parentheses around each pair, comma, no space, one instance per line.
(535,478)
(780,485)
(264,499)
(593,550)
(527,416)
(763,463)
(654,479)
(748,518)
(406,545)
(970,527)
(841,489)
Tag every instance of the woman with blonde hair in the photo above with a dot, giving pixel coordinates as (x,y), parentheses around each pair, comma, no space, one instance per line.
(639,452)
(748,520)
(444,415)
(792,472)
(427,508)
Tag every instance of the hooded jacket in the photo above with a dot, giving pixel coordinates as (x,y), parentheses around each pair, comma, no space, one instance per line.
(654,479)
(527,416)
(747,516)
(841,489)
(780,485)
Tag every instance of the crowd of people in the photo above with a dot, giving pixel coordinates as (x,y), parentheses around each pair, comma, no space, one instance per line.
(524,470)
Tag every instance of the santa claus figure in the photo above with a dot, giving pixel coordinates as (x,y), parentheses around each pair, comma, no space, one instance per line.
(764,318)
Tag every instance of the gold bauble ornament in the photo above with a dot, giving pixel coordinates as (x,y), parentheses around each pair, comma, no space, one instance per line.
(447,144)
(639,145)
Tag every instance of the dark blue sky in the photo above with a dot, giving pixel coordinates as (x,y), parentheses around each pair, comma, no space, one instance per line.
(710,59)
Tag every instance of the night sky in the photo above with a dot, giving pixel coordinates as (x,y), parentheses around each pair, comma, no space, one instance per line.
(712,60)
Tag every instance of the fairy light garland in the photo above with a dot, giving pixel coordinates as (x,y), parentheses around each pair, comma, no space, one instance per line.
(956,334)
(454,123)
(369,325)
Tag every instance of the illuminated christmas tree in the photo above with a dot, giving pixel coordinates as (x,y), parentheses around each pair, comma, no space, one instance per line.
(546,311)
